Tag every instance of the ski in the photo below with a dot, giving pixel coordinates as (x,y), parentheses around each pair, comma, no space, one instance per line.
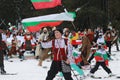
(118,77)
(109,76)
(10,60)
(9,74)
(94,77)
(21,60)
(45,67)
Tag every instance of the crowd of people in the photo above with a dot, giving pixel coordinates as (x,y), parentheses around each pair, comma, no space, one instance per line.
(66,48)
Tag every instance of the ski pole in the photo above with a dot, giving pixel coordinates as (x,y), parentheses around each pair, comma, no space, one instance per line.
(74,74)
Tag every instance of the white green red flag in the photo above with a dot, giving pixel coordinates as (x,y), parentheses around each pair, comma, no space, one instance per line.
(36,23)
(42,4)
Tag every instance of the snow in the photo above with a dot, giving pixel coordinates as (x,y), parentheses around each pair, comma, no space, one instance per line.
(29,69)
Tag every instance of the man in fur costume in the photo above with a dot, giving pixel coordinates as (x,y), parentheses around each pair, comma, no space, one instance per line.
(85,49)
(43,53)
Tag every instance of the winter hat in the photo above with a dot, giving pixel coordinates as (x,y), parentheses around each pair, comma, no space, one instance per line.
(59,29)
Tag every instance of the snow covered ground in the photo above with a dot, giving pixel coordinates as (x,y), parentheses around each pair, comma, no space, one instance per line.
(29,69)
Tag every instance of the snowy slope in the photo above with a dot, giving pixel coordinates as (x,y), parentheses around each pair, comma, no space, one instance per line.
(29,69)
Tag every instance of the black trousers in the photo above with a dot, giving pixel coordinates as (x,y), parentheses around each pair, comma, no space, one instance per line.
(54,69)
(91,58)
(1,58)
(108,43)
(103,66)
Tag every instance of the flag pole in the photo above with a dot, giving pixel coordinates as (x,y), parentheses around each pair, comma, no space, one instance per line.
(66,11)
(73,25)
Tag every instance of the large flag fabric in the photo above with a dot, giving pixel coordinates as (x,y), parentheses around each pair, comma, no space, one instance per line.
(36,23)
(41,25)
(42,4)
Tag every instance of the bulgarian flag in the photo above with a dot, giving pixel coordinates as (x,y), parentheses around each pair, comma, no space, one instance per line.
(42,4)
(36,23)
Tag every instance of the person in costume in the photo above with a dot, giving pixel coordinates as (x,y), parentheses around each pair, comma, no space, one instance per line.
(115,36)
(3,47)
(66,33)
(85,49)
(28,44)
(95,45)
(59,54)
(108,39)
(42,53)
(13,50)
(101,58)
(29,41)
